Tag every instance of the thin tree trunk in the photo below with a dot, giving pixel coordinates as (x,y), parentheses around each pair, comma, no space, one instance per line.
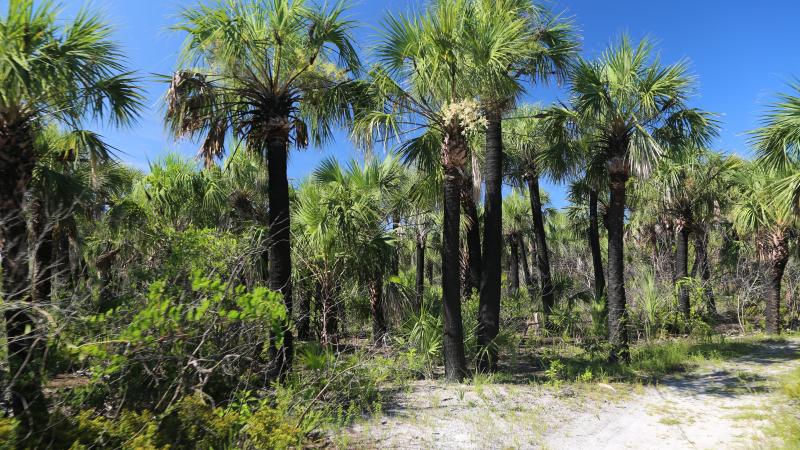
(419,286)
(704,267)
(542,253)
(280,256)
(376,308)
(513,266)
(594,246)
(473,234)
(682,265)
(304,315)
(489,305)
(526,271)
(330,313)
(455,365)
(778,257)
(617,313)
(25,340)
(395,266)
(430,271)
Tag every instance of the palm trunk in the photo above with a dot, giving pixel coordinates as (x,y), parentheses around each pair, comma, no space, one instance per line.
(455,365)
(778,248)
(280,257)
(513,266)
(489,305)
(594,246)
(617,313)
(473,234)
(704,267)
(523,256)
(542,253)
(682,265)
(395,266)
(376,309)
(25,341)
(419,285)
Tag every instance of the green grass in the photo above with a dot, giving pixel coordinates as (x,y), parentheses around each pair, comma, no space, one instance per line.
(784,427)
(649,361)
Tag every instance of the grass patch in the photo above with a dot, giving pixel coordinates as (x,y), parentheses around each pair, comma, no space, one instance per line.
(649,361)
(669,421)
(784,427)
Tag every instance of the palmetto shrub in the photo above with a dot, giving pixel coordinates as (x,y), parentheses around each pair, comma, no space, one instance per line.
(420,337)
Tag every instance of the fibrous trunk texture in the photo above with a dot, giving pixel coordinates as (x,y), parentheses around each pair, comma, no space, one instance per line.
(454,152)
(24,336)
(542,253)
(776,248)
(617,312)
(526,271)
(513,266)
(594,246)
(703,265)
(489,305)
(280,256)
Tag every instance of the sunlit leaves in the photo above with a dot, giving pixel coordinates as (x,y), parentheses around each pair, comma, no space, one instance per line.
(247,66)
(636,106)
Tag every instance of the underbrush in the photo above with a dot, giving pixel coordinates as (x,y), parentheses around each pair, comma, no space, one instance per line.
(325,391)
(649,361)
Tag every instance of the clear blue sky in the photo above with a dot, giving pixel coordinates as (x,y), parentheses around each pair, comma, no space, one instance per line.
(742,52)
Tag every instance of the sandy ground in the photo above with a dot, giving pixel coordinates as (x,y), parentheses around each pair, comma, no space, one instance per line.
(720,406)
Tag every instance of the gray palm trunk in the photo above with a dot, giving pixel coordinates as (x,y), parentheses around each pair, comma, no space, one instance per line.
(777,248)
(489,305)
(542,252)
(454,151)
(594,246)
(25,342)
(279,253)
(682,264)
(617,310)
(513,263)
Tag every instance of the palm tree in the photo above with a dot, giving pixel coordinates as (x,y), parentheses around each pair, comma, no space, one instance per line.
(423,197)
(585,194)
(355,207)
(756,214)
(637,111)
(777,143)
(271,74)
(538,147)
(74,178)
(53,72)
(422,89)
(690,187)
(519,42)
(515,222)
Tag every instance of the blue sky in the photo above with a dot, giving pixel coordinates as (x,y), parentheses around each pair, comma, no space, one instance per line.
(742,52)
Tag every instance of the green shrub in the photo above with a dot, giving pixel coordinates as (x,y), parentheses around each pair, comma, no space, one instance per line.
(8,433)
(180,335)
(137,430)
